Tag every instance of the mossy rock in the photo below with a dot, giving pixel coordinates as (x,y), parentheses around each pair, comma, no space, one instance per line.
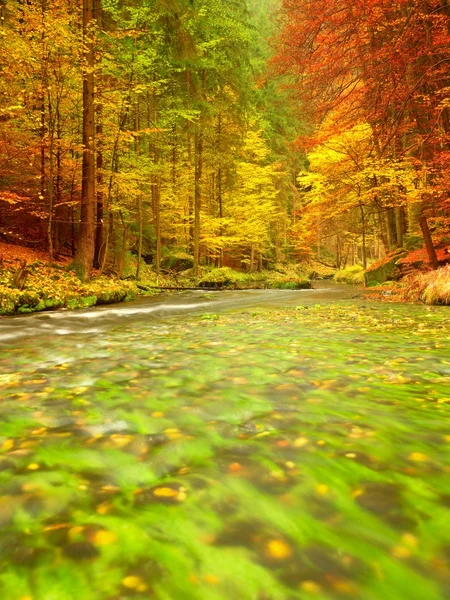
(179,261)
(53,303)
(299,284)
(111,296)
(82,302)
(222,277)
(387,271)
(25,310)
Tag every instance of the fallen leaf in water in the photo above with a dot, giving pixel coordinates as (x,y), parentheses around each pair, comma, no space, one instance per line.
(133,582)
(277,549)
(104,538)
(311,587)
(418,457)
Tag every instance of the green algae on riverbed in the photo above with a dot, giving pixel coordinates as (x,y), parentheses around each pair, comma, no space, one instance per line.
(301,453)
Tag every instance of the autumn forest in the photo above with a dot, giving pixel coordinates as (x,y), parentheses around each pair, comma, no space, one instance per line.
(224,299)
(233,133)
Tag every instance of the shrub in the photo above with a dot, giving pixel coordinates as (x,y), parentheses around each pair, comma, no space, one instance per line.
(353,275)
(432,287)
(220,277)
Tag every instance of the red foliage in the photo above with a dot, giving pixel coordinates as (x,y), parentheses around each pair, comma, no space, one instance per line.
(443,255)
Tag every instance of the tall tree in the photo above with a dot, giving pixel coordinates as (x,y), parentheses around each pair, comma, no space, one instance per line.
(84,257)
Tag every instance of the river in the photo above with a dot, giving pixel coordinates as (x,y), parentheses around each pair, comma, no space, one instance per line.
(264,444)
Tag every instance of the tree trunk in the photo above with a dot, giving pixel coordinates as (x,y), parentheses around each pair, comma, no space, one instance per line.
(428,242)
(390,228)
(84,256)
(363,227)
(122,251)
(99,196)
(399,225)
(197,195)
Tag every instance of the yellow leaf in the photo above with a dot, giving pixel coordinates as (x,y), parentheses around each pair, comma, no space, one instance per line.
(104,537)
(278,549)
(104,508)
(300,442)
(165,492)
(33,467)
(322,489)
(311,587)
(211,579)
(401,552)
(8,444)
(418,457)
(133,582)
(409,540)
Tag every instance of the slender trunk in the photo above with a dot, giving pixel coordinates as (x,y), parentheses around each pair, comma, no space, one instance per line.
(50,200)
(122,251)
(137,143)
(363,227)
(84,256)
(104,250)
(338,253)
(252,258)
(99,195)
(197,194)
(428,242)
(57,204)
(219,182)
(399,225)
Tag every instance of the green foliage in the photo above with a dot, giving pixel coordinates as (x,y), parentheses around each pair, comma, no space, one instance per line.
(223,276)
(47,288)
(413,242)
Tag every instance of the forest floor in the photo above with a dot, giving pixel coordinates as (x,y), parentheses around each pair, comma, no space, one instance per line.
(47,287)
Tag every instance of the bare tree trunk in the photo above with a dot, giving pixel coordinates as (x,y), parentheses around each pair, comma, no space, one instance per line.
(197,194)
(399,225)
(122,251)
(363,227)
(428,242)
(219,183)
(252,258)
(99,204)
(84,256)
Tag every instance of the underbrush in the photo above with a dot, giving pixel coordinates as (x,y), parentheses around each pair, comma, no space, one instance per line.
(287,277)
(50,288)
(353,275)
(432,287)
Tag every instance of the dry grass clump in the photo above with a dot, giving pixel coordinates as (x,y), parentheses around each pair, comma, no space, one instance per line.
(432,287)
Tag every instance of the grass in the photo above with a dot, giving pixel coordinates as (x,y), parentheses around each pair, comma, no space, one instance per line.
(432,287)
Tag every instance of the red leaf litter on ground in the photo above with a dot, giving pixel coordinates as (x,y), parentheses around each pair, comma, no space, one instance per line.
(10,254)
(443,255)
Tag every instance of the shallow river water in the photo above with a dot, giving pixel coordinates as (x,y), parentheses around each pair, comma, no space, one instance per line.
(266,445)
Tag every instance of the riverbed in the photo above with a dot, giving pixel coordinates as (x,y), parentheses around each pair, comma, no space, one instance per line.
(266,444)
